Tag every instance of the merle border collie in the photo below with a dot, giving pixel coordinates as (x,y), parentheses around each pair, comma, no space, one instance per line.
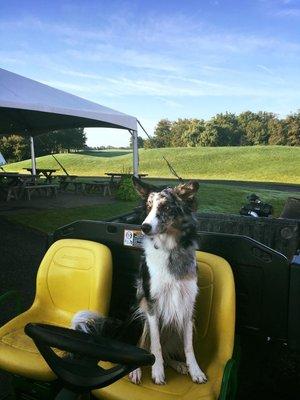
(167,284)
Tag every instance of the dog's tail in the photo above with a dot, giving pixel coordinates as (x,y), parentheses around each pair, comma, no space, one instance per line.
(96,324)
(128,331)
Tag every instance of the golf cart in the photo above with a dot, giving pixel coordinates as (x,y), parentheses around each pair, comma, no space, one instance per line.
(93,265)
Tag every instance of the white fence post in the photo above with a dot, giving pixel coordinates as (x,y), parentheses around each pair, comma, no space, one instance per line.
(135,153)
(33,163)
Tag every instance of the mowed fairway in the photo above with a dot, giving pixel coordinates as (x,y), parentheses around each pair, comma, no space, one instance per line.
(255,163)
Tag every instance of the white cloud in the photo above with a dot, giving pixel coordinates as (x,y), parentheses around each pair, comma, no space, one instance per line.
(288,12)
(128,57)
(68,86)
(266,69)
(174,87)
(282,8)
(167,43)
(163,57)
(170,103)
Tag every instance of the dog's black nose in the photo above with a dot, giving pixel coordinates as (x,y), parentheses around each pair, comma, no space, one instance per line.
(146,228)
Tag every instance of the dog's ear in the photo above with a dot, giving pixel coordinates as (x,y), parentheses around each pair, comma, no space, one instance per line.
(143,188)
(187,193)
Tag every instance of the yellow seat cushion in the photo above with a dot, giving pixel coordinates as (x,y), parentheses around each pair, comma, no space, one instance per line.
(213,342)
(74,275)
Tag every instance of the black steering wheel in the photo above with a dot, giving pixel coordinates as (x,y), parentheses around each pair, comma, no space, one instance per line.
(81,373)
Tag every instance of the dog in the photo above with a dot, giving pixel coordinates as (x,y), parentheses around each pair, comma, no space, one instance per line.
(166,288)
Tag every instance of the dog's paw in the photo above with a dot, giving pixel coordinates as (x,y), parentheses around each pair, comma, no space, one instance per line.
(179,366)
(136,376)
(197,375)
(158,374)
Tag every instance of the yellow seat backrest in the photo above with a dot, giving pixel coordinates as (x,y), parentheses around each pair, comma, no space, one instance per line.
(213,341)
(215,309)
(74,275)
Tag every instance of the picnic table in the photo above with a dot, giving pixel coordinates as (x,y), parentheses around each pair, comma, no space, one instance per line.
(120,175)
(13,183)
(66,180)
(85,184)
(14,178)
(47,172)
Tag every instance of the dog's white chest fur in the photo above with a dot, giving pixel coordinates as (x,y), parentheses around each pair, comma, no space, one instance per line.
(174,298)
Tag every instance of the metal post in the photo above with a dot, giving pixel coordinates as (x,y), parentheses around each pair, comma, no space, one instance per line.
(135,153)
(33,164)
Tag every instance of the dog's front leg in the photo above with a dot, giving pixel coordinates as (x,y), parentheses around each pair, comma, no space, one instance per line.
(158,373)
(136,375)
(195,371)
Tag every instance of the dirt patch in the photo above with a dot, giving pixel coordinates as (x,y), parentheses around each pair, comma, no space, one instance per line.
(21,251)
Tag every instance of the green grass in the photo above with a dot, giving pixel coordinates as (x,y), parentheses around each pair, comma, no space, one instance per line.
(255,163)
(260,163)
(229,199)
(212,198)
(49,220)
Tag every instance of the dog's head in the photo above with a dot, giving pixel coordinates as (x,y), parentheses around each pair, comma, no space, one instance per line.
(167,210)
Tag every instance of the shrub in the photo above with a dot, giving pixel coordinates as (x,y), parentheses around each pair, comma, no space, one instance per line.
(126,190)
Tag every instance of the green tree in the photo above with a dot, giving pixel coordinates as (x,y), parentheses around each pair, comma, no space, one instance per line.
(277,132)
(178,131)
(191,137)
(140,142)
(15,147)
(228,129)
(244,119)
(162,134)
(149,143)
(255,126)
(210,135)
(61,140)
(222,130)
(293,129)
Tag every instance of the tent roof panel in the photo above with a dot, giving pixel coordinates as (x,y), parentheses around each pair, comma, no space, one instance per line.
(19,96)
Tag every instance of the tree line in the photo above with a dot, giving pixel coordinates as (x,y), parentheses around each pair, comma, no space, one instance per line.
(228,129)
(17,148)
(225,129)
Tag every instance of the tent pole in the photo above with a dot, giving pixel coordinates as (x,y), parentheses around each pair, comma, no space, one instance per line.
(33,164)
(135,153)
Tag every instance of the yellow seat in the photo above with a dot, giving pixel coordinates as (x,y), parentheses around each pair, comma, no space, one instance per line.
(73,275)
(214,341)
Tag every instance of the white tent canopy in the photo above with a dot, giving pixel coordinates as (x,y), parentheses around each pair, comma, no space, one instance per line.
(31,108)
(2,160)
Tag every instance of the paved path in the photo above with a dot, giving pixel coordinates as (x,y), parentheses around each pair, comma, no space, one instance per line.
(287,187)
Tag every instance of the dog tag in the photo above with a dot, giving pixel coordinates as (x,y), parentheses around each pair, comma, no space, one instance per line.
(133,238)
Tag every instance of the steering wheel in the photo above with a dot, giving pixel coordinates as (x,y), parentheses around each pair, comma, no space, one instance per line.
(81,372)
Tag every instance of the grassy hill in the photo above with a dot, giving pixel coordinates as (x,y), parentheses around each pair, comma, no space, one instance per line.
(258,163)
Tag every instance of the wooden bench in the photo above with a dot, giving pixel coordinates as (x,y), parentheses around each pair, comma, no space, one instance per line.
(97,186)
(79,186)
(47,189)
(65,181)
(13,192)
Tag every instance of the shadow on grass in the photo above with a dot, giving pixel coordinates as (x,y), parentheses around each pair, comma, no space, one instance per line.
(105,154)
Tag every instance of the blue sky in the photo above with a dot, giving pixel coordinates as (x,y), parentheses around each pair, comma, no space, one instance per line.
(159,59)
